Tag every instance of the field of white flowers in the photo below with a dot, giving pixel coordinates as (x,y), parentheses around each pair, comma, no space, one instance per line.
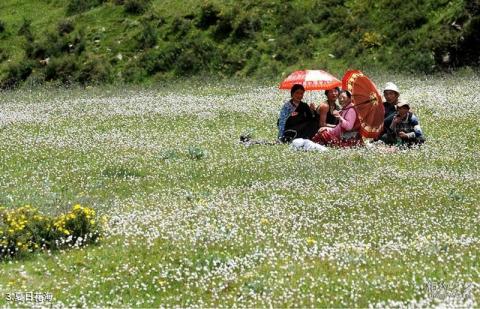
(196,219)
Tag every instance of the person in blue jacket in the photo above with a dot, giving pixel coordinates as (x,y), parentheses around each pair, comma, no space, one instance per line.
(404,129)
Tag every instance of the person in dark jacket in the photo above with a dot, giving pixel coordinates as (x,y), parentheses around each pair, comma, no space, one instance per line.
(404,129)
(297,119)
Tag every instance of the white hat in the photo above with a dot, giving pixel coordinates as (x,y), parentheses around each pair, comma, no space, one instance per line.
(391,86)
(402,103)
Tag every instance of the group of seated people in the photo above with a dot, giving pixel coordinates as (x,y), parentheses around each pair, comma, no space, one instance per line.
(333,124)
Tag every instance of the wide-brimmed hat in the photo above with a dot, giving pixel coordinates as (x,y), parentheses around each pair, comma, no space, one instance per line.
(391,86)
(403,103)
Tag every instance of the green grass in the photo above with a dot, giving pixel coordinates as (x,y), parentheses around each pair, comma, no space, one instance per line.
(13,13)
(230,38)
(196,219)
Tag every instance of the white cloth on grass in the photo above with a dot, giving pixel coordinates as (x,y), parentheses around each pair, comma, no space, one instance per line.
(306,145)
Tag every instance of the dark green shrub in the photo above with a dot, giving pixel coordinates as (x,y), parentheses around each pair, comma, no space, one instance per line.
(252,59)
(37,78)
(16,73)
(55,44)
(208,16)
(62,69)
(154,20)
(147,37)
(178,28)
(224,26)
(133,73)
(468,51)
(246,25)
(290,16)
(65,26)
(328,13)
(3,55)
(136,6)
(94,71)
(52,45)
(159,60)
(416,61)
(80,6)
(197,53)
(286,51)
(2,26)
(26,29)
(233,59)
(77,43)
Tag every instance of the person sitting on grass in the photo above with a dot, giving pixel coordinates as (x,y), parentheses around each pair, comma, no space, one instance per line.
(346,132)
(404,128)
(391,94)
(297,119)
(326,109)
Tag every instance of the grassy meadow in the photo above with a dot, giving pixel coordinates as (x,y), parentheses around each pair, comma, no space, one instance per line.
(195,219)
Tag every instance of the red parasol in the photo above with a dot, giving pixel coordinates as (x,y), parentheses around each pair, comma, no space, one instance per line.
(367,102)
(311,80)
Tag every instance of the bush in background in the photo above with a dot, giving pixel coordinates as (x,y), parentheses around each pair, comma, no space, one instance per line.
(3,55)
(95,70)
(248,38)
(80,6)
(16,73)
(2,26)
(26,29)
(136,6)
(65,26)
(25,230)
(147,37)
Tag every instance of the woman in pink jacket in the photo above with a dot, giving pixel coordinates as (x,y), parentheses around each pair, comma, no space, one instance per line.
(346,132)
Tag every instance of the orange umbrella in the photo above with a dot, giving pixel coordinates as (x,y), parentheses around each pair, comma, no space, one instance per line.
(367,102)
(311,80)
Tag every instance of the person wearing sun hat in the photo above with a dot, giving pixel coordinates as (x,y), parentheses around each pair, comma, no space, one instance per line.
(404,128)
(391,94)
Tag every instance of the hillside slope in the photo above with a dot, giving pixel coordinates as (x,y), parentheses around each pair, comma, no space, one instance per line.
(98,41)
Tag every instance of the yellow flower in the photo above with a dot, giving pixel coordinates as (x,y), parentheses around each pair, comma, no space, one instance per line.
(264,221)
(311,241)
(77,207)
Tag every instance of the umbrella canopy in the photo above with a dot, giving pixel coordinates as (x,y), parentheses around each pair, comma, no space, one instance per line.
(311,80)
(367,102)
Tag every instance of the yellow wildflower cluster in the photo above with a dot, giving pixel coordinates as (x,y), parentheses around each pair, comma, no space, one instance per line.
(79,217)
(25,229)
(17,219)
(61,222)
(87,212)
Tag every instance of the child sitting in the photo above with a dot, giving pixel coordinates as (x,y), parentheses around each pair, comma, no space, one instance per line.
(404,129)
